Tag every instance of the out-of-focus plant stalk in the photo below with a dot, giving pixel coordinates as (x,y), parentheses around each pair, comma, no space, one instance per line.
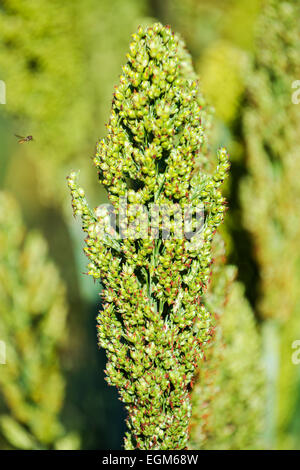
(32,326)
(270,193)
(229,392)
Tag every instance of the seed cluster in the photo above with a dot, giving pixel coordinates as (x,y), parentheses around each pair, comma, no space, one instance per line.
(153,323)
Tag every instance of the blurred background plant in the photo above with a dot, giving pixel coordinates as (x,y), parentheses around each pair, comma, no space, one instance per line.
(33,326)
(59,61)
(270,198)
(228,396)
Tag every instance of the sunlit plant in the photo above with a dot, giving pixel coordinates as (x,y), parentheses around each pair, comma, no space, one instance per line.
(153,323)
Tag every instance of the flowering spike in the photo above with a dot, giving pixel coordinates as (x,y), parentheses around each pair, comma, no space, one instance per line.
(152,329)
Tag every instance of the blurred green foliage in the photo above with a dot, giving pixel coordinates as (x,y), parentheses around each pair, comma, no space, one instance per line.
(33,326)
(270,191)
(223,89)
(59,61)
(202,23)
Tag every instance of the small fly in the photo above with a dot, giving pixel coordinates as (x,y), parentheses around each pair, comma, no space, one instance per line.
(24,139)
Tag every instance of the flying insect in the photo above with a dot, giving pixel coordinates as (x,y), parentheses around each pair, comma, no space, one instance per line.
(22,140)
